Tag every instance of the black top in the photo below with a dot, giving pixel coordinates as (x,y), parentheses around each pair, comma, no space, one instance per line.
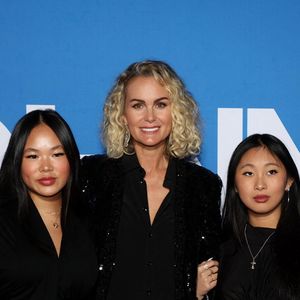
(144,253)
(29,266)
(237,280)
(194,200)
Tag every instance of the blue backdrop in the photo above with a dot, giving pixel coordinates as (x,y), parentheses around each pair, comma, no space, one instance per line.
(239,58)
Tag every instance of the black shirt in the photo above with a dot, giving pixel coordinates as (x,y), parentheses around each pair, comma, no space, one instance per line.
(145,253)
(29,265)
(237,280)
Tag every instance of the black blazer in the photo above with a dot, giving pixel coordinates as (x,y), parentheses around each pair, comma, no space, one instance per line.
(29,266)
(197,217)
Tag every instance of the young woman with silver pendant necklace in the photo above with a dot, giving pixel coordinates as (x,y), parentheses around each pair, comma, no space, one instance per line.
(261,223)
(253,262)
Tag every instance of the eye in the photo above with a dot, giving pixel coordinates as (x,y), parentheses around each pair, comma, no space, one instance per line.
(58,154)
(247,173)
(161,104)
(31,156)
(137,105)
(272,172)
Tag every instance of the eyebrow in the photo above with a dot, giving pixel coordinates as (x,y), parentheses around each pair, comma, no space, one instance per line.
(156,100)
(253,166)
(36,150)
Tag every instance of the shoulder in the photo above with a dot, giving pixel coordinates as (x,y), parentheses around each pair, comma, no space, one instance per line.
(98,172)
(200,187)
(97,165)
(8,217)
(199,174)
(91,162)
(8,206)
(11,231)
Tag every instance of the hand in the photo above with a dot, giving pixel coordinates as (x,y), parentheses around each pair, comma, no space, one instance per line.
(207,277)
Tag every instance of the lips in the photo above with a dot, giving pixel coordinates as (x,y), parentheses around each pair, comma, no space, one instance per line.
(261,198)
(149,129)
(46,181)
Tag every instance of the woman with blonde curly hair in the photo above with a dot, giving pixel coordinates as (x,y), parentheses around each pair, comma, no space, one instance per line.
(156,213)
(184,139)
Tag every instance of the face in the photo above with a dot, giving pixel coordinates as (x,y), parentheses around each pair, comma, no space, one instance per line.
(45,168)
(261,180)
(147,113)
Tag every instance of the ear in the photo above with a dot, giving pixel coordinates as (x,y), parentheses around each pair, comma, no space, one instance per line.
(236,190)
(289,183)
(124,119)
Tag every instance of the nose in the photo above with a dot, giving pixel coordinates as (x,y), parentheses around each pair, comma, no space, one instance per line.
(260,184)
(45,165)
(150,115)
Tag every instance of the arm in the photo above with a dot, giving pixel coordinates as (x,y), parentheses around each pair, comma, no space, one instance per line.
(209,234)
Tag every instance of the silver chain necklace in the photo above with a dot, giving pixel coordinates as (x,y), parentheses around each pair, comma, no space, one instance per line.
(253,262)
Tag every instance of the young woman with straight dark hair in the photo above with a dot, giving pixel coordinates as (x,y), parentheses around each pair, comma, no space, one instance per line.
(45,248)
(261,223)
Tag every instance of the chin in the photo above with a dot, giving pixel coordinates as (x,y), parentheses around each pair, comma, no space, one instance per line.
(151,144)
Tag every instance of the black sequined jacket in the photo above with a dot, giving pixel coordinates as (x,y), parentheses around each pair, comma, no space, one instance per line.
(197,217)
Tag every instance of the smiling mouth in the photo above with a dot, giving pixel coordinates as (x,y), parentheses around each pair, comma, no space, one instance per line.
(149,129)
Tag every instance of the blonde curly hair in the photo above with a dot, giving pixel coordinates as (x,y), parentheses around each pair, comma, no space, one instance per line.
(185,138)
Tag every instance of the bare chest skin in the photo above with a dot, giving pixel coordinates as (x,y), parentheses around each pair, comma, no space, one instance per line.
(55,233)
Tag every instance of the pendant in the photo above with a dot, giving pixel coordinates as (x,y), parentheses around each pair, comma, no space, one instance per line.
(253,263)
(55,225)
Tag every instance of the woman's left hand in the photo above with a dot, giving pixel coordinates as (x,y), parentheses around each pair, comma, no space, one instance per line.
(207,277)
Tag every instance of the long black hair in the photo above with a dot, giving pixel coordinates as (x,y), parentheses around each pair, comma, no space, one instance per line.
(235,214)
(12,185)
(287,234)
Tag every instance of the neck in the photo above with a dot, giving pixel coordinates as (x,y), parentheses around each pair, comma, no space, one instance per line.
(263,221)
(152,160)
(49,206)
